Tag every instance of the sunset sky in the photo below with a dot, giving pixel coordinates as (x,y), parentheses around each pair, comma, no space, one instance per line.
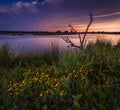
(53,15)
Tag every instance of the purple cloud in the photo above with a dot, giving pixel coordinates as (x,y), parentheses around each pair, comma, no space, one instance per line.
(3,9)
(53,2)
(107,15)
(20,6)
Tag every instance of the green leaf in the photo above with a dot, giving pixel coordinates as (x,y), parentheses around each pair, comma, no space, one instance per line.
(76,100)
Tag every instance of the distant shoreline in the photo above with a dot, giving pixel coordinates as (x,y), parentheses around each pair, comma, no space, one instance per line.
(50,33)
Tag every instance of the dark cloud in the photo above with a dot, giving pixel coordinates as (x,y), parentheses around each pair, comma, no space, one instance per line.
(86,6)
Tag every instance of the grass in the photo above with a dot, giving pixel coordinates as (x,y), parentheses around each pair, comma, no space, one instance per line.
(74,80)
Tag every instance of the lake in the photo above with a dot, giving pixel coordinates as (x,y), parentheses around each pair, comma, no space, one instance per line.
(39,43)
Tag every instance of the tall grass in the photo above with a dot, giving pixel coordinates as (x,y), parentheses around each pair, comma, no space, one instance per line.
(51,55)
(5,55)
(9,59)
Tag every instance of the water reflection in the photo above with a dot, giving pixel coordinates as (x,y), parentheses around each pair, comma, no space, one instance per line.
(31,43)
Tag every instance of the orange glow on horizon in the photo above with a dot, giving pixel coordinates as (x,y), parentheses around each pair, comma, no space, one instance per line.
(107,26)
(112,25)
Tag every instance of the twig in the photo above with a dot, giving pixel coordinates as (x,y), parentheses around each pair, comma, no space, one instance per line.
(91,20)
(66,39)
(75,32)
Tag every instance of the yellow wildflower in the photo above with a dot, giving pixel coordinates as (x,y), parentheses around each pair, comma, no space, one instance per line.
(10,89)
(35,79)
(73,70)
(30,83)
(56,84)
(61,94)
(46,76)
(16,93)
(47,92)
(41,94)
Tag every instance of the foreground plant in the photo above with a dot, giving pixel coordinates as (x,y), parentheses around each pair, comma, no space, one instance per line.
(48,87)
(89,80)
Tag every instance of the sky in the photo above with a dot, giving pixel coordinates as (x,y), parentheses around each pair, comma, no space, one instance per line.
(54,15)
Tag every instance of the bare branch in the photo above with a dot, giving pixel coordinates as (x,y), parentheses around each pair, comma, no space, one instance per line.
(66,39)
(85,43)
(82,41)
(91,20)
(75,32)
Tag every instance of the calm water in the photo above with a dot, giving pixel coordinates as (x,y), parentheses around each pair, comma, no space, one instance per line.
(39,43)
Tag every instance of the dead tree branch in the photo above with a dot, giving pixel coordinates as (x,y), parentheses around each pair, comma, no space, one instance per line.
(91,20)
(76,33)
(66,39)
(82,40)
